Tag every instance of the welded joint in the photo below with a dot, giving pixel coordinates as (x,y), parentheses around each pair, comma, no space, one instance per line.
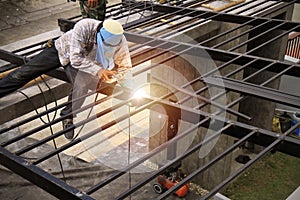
(80,194)
(230,122)
(27,163)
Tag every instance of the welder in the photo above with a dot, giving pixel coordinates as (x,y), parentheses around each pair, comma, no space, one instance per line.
(91,52)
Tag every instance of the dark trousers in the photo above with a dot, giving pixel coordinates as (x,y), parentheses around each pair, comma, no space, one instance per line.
(82,82)
(42,63)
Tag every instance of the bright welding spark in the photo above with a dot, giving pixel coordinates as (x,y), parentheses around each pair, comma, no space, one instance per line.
(139,94)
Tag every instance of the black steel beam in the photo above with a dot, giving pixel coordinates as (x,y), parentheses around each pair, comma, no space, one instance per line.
(39,177)
(255,90)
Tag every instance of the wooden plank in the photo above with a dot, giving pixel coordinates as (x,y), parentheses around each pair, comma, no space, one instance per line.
(218,5)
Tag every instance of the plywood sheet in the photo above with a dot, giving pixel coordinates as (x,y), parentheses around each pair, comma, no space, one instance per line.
(218,5)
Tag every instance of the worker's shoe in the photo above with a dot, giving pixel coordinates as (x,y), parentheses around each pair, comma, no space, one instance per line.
(66,124)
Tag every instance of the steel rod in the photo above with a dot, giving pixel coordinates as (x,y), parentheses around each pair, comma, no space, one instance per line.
(249,163)
(179,158)
(271,40)
(39,177)
(256,37)
(242,25)
(59,133)
(180,89)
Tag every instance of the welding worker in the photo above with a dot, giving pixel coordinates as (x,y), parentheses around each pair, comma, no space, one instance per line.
(89,52)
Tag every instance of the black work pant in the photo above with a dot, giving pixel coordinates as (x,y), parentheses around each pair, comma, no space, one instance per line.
(42,63)
(82,82)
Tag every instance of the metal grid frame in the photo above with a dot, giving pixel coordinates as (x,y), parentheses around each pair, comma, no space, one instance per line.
(270,140)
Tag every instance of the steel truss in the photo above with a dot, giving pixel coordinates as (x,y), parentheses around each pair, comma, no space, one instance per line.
(157,43)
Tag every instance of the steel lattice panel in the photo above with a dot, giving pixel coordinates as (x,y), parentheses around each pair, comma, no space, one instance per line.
(149,41)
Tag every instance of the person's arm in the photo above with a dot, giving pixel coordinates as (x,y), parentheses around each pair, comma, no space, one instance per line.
(82,35)
(92,3)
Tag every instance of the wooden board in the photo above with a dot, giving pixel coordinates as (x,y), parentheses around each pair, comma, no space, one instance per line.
(218,5)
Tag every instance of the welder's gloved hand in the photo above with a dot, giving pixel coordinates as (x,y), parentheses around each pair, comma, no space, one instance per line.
(106,75)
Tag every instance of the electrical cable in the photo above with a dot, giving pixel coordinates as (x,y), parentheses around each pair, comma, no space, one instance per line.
(48,117)
(90,112)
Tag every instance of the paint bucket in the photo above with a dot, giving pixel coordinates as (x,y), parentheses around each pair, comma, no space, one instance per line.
(295,120)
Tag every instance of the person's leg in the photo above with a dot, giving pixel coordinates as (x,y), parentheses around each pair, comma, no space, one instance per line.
(81,83)
(79,88)
(82,4)
(45,61)
(94,13)
(99,12)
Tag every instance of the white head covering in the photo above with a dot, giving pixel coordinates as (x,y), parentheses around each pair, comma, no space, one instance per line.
(108,38)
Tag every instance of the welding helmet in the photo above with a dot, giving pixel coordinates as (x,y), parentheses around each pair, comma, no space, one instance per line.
(108,39)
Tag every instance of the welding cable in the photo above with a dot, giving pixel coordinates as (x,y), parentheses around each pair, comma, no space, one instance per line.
(48,117)
(136,6)
(129,150)
(51,130)
(50,126)
(31,118)
(89,114)
(59,133)
(160,17)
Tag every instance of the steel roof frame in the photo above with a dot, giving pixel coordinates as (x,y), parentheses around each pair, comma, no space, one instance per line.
(244,132)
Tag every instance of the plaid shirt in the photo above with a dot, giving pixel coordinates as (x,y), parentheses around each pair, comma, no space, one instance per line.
(78,47)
